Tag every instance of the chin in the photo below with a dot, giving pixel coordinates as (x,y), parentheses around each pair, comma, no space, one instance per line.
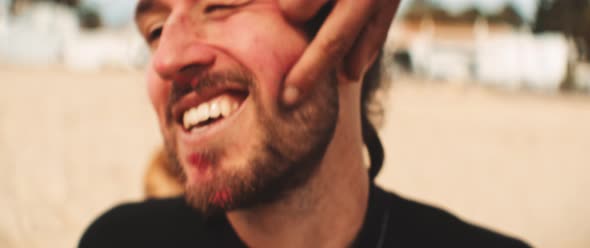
(252,154)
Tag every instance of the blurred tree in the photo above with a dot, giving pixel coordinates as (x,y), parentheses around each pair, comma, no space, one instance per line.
(89,17)
(418,10)
(570,17)
(507,15)
(423,8)
(16,6)
(468,16)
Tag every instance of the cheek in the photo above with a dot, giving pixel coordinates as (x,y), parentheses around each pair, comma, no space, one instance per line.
(268,47)
(157,92)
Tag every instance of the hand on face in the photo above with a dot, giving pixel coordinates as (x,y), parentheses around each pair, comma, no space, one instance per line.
(348,41)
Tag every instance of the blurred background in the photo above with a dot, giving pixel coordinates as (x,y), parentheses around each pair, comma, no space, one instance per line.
(488,115)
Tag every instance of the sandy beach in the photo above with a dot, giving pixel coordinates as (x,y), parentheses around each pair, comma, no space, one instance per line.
(73,144)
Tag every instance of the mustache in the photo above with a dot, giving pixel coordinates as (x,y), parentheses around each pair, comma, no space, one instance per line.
(207,81)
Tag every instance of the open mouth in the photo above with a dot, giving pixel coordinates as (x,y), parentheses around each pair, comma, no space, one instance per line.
(213,110)
(196,111)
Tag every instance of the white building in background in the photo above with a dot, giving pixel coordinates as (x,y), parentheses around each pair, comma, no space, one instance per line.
(4,12)
(36,36)
(491,54)
(48,33)
(440,59)
(521,60)
(104,49)
(582,76)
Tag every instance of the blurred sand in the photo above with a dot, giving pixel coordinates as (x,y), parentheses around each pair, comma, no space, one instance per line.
(72,144)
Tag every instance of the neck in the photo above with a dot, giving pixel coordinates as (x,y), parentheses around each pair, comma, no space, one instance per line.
(333,201)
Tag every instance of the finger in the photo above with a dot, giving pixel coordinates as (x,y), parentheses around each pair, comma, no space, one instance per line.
(334,39)
(370,41)
(301,10)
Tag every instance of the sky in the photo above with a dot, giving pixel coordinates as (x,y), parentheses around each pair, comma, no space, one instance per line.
(113,12)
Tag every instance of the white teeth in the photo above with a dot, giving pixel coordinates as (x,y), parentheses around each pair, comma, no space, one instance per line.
(222,106)
(195,115)
(214,110)
(225,106)
(190,116)
(203,112)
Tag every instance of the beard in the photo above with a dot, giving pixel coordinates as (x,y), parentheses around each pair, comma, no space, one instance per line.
(287,148)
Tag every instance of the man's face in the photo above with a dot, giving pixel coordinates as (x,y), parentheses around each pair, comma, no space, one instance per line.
(216,72)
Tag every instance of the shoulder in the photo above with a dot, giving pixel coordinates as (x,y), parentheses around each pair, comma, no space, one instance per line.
(419,225)
(142,224)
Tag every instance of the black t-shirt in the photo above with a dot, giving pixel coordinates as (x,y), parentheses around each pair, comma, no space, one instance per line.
(391,221)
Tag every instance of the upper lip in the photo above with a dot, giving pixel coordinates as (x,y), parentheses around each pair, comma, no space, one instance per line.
(194,98)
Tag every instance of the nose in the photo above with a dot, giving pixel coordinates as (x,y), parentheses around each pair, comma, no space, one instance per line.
(181,48)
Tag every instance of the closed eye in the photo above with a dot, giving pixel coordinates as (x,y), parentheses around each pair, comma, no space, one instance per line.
(217,7)
(221,9)
(154,34)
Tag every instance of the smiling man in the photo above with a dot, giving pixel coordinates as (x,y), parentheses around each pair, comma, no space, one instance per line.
(257,173)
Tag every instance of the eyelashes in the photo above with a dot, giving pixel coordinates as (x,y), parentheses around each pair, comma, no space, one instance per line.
(154,34)
(221,5)
(218,7)
(215,10)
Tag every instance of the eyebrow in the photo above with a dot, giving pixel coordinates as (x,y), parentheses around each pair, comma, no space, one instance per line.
(143,7)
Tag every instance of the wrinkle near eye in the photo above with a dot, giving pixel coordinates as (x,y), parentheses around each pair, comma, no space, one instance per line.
(151,27)
(218,9)
(235,2)
(154,34)
(150,16)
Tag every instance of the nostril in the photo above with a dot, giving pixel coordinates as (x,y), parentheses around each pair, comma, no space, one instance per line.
(186,56)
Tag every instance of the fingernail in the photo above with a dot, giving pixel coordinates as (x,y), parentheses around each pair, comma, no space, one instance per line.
(290,95)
